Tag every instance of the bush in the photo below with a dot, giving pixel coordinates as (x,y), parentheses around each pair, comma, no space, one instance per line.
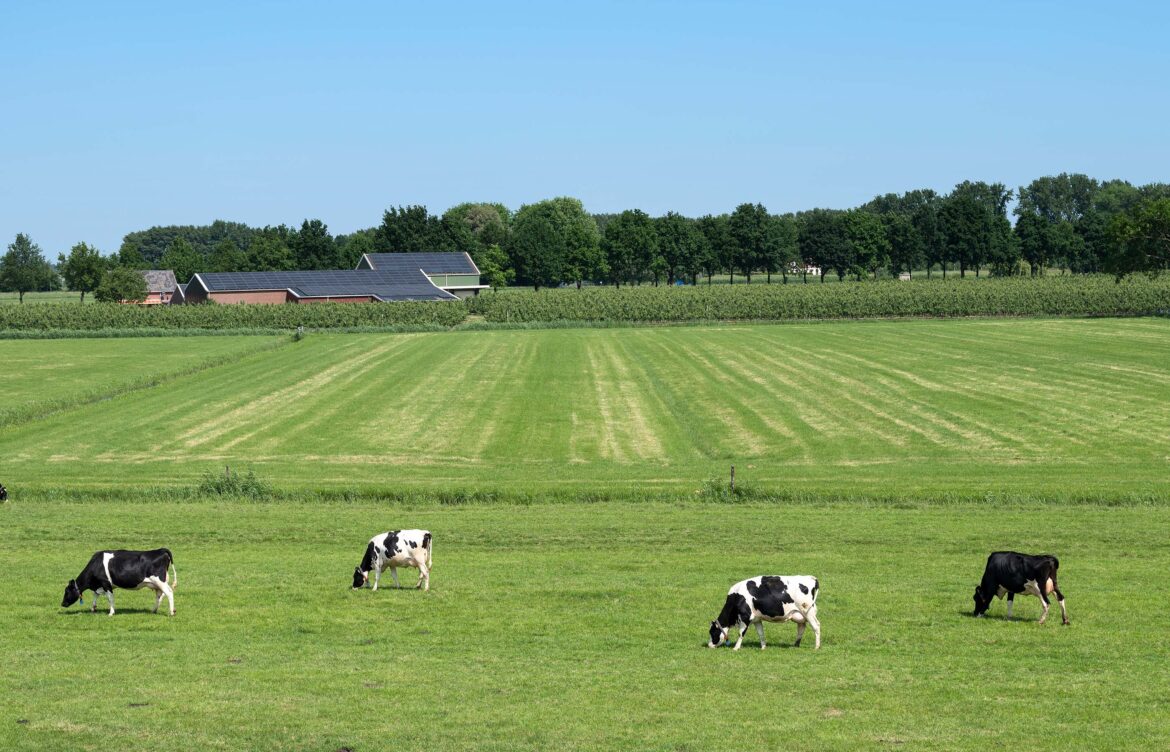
(1048,296)
(246,485)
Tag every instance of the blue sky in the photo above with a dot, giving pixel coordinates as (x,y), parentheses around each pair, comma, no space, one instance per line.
(115,117)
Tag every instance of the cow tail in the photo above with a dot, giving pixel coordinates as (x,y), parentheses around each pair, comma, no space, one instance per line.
(427,546)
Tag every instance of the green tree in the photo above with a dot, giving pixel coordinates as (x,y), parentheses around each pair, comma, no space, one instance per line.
(82,268)
(555,241)
(226,257)
(780,246)
(679,243)
(270,253)
(907,248)
(822,241)
(410,229)
(748,228)
(181,258)
(869,249)
(1141,239)
(130,257)
(121,284)
(351,248)
(630,245)
(496,268)
(24,268)
(313,247)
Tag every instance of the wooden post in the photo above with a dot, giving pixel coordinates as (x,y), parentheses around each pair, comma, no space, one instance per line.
(227,472)
(733,478)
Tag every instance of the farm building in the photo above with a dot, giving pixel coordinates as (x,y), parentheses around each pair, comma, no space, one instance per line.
(378,277)
(455,273)
(332,286)
(160,286)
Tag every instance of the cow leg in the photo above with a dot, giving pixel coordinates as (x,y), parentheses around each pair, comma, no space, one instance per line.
(811,618)
(760,632)
(1011,602)
(158,596)
(377,575)
(110,596)
(394,574)
(424,577)
(1044,600)
(742,632)
(800,625)
(93,605)
(164,588)
(1060,600)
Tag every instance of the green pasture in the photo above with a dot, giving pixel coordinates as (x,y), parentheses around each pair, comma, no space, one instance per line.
(57,296)
(581,626)
(1056,408)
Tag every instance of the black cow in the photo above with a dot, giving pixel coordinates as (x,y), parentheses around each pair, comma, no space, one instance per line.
(3,493)
(1010,572)
(129,570)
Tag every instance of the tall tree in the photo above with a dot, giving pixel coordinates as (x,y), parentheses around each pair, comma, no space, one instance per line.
(1141,239)
(270,253)
(780,248)
(181,258)
(82,269)
(823,243)
(907,247)
(679,242)
(130,257)
(630,246)
(24,268)
(350,248)
(496,268)
(227,257)
(869,249)
(555,241)
(313,247)
(410,229)
(121,284)
(748,227)
(718,246)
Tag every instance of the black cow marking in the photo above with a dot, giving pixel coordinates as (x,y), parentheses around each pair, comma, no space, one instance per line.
(803,589)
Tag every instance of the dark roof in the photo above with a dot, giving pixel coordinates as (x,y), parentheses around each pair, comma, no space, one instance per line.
(160,280)
(328,284)
(430,263)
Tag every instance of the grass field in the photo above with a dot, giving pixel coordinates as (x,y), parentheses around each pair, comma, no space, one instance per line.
(581,626)
(1030,408)
(59,296)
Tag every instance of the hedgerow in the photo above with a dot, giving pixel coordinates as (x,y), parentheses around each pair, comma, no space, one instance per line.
(1052,296)
(237,317)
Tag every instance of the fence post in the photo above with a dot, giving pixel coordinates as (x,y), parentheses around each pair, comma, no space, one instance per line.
(733,478)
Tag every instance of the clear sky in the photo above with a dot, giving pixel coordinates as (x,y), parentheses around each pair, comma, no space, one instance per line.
(118,116)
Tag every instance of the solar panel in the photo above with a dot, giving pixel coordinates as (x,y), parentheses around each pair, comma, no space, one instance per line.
(430,263)
(332,283)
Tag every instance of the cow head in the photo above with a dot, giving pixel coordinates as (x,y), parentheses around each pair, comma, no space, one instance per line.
(982,603)
(72,595)
(359,577)
(718,635)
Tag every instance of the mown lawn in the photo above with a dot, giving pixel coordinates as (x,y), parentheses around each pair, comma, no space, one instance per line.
(581,626)
(907,409)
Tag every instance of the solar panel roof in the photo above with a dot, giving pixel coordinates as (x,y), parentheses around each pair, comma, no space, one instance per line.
(430,263)
(334,283)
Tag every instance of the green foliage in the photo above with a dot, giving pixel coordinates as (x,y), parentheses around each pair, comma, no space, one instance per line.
(313,248)
(82,270)
(152,244)
(630,246)
(496,268)
(240,485)
(182,258)
(1141,239)
(225,257)
(556,241)
(410,229)
(24,269)
(269,252)
(1049,296)
(118,285)
(225,317)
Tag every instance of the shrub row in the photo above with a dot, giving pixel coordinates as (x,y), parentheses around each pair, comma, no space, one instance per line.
(1052,296)
(219,317)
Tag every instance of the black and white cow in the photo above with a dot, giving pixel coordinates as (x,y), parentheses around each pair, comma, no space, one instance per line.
(129,570)
(1010,572)
(768,598)
(397,548)
(3,493)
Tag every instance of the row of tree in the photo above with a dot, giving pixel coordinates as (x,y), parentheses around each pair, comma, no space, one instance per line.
(1071,222)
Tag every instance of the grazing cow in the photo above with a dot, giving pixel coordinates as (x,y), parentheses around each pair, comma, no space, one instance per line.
(397,548)
(129,570)
(3,493)
(1010,572)
(768,598)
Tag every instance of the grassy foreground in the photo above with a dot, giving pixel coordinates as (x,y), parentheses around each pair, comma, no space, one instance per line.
(1059,409)
(581,627)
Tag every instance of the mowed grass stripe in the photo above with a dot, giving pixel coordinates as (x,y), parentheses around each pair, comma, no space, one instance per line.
(886,408)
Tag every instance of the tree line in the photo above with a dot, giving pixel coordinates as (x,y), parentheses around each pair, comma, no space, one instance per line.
(1069,222)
